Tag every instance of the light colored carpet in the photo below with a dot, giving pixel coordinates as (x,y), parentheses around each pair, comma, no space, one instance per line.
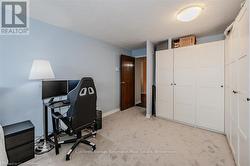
(129,139)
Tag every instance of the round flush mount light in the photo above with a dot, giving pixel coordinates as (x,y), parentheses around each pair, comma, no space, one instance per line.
(188,14)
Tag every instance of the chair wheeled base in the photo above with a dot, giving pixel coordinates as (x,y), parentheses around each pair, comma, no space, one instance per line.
(81,140)
(76,141)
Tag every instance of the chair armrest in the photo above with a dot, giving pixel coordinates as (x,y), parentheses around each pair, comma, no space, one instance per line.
(57,115)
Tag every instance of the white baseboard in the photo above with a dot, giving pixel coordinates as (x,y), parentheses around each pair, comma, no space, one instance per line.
(191,125)
(148,116)
(105,114)
(137,102)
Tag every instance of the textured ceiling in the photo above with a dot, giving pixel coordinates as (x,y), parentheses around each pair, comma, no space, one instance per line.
(128,23)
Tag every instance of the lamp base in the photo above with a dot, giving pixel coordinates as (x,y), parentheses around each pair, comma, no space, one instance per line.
(43,147)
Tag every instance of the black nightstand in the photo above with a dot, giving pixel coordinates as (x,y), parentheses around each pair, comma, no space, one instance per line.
(19,142)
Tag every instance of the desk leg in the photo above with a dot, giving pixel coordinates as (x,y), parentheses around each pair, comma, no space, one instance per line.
(55,132)
(55,123)
(45,146)
(45,123)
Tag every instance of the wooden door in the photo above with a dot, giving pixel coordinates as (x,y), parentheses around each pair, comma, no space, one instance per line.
(164,84)
(127,83)
(144,75)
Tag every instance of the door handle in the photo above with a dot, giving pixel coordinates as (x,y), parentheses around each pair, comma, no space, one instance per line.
(235,92)
(221,86)
(123,82)
(248,99)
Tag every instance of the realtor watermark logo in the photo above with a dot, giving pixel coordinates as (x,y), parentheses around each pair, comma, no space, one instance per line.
(14,17)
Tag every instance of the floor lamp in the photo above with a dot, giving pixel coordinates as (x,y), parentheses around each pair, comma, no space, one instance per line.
(41,70)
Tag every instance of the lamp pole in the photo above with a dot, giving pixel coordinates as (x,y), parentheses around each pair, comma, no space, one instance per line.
(41,70)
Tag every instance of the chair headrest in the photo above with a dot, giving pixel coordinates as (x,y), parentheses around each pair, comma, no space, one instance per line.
(86,87)
(87,91)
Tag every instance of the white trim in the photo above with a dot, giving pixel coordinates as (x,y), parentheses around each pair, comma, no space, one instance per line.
(137,102)
(229,28)
(105,114)
(148,116)
(140,56)
(191,125)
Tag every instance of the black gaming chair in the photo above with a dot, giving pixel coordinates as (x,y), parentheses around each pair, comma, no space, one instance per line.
(81,115)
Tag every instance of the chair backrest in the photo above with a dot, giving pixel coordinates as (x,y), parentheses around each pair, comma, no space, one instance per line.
(83,104)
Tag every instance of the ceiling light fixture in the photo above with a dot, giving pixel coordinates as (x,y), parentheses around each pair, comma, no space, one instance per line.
(189,13)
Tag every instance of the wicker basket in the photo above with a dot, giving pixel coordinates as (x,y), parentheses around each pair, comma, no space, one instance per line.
(187,41)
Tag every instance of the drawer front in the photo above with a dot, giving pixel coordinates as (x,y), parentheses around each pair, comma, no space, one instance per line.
(19,139)
(21,154)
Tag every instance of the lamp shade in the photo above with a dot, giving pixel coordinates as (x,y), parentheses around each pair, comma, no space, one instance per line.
(41,70)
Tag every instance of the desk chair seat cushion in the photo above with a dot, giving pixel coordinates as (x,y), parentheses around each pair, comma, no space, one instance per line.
(3,155)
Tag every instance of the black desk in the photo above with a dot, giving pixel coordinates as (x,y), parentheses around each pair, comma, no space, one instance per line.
(47,143)
(52,106)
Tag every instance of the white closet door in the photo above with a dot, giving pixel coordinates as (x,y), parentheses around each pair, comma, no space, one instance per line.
(234,109)
(184,78)
(210,86)
(227,49)
(164,81)
(243,32)
(227,88)
(227,102)
(244,115)
(234,44)
(243,87)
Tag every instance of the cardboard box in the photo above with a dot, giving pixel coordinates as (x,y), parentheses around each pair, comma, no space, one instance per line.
(187,41)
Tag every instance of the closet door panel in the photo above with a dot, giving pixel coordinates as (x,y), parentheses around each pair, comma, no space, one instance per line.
(243,31)
(227,87)
(165,102)
(234,126)
(244,115)
(234,109)
(243,75)
(184,90)
(227,50)
(227,101)
(210,86)
(235,52)
(243,131)
(210,114)
(164,80)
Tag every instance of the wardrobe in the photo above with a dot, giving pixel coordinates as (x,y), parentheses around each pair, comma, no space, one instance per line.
(190,85)
(237,112)
(208,86)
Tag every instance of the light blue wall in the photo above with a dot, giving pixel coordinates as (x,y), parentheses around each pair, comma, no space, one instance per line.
(211,38)
(139,52)
(71,55)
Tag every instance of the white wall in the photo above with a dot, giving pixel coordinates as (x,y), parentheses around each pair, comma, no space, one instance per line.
(211,38)
(150,68)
